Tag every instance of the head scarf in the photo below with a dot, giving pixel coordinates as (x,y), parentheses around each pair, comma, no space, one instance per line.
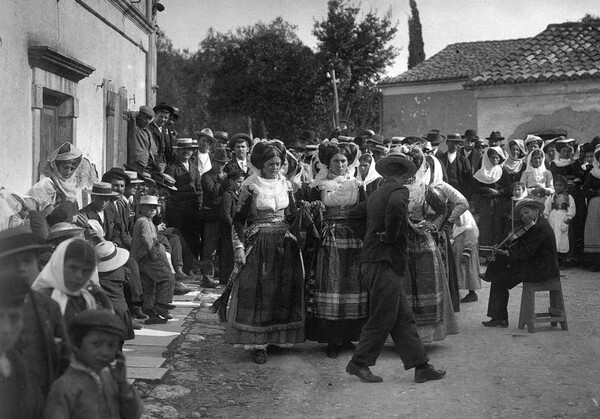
(490,173)
(372,174)
(52,276)
(465,222)
(436,173)
(66,186)
(596,163)
(537,172)
(512,165)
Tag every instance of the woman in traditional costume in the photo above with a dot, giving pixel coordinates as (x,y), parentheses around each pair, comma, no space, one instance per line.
(339,299)
(267,297)
(515,162)
(426,284)
(591,189)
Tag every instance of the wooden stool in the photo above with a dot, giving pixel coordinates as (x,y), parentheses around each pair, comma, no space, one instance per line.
(556,312)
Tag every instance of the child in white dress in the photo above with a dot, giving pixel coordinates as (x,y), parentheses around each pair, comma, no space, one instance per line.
(560,210)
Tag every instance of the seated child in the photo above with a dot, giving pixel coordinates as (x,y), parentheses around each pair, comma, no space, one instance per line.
(111,271)
(92,388)
(560,210)
(155,270)
(20,395)
(227,210)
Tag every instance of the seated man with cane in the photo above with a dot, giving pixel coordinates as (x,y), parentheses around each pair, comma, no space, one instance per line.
(528,254)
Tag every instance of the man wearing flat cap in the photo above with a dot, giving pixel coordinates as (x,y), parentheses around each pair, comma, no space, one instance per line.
(383,264)
(140,146)
(160,134)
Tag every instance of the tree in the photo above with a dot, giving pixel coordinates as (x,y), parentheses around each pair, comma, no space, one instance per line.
(357,47)
(416,51)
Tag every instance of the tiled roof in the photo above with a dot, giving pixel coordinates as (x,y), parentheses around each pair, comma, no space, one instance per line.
(457,62)
(566,51)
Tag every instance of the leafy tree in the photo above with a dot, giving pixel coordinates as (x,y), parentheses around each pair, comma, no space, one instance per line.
(416,51)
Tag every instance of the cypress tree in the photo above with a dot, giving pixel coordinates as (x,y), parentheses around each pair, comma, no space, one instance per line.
(416,51)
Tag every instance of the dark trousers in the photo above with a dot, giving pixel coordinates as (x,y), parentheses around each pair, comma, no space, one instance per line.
(210,240)
(133,291)
(157,280)
(225,253)
(389,313)
(503,278)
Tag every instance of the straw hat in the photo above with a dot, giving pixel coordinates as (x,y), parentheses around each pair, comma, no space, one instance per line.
(149,200)
(183,143)
(101,189)
(527,202)
(63,229)
(133,176)
(110,257)
(165,180)
(394,163)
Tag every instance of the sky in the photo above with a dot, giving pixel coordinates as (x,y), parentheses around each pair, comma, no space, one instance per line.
(444,22)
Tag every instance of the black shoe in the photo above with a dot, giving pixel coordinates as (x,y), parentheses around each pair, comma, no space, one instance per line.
(332,350)
(428,373)
(155,320)
(170,306)
(364,373)
(208,283)
(137,313)
(495,323)
(470,298)
(162,311)
(260,356)
(181,289)
(349,345)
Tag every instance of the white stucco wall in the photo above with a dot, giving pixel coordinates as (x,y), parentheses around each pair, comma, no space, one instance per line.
(69,28)
(519,109)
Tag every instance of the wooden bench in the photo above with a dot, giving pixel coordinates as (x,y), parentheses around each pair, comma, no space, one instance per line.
(556,312)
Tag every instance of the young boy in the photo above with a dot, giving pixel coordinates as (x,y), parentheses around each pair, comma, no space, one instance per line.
(227,210)
(157,280)
(20,395)
(92,388)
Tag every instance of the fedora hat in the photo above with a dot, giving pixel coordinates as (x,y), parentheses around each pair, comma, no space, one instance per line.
(495,136)
(133,176)
(238,137)
(308,136)
(165,180)
(471,135)
(149,200)
(110,257)
(457,138)
(221,136)
(297,145)
(206,132)
(219,155)
(394,163)
(64,229)
(527,202)
(183,143)
(19,239)
(434,137)
(101,189)
(116,173)
(164,107)
(366,133)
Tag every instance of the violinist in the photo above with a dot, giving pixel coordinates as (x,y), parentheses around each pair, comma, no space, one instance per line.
(528,254)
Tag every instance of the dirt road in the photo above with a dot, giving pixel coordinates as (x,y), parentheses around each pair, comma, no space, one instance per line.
(491,372)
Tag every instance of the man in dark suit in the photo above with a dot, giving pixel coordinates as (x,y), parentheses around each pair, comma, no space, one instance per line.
(161,136)
(531,257)
(458,168)
(240,145)
(101,208)
(212,182)
(383,263)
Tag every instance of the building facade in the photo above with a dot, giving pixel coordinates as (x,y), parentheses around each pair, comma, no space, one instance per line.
(71,68)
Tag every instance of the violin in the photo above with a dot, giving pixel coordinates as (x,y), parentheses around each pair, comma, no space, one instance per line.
(501,247)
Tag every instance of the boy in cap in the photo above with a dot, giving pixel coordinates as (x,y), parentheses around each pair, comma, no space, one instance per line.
(20,395)
(92,388)
(43,342)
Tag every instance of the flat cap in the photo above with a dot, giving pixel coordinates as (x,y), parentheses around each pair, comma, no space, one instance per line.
(146,110)
(102,320)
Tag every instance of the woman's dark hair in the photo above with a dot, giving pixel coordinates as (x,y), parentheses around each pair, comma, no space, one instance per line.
(513,142)
(491,153)
(560,179)
(415,154)
(327,151)
(366,158)
(82,251)
(536,152)
(263,152)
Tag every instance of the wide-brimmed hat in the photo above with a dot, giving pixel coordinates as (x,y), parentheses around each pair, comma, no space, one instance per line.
(183,143)
(221,136)
(308,136)
(533,139)
(375,140)
(164,107)
(366,133)
(19,239)
(394,163)
(149,200)
(206,132)
(143,175)
(495,136)
(165,180)
(133,176)
(64,229)
(101,189)
(471,135)
(297,145)
(219,155)
(562,142)
(110,257)
(457,138)
(481,143)
(237,137)
(527,202)
(345,139)
(434,137)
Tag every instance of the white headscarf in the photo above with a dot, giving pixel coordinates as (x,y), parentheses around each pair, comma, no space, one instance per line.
(490,173)
(512,165)
(372,174)
(537,172)
(52,276)
(465,222)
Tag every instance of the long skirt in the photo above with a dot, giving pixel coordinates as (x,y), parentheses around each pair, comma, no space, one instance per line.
(427,288)
(592,227)
(267,298)
(468,272)
(338,299)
